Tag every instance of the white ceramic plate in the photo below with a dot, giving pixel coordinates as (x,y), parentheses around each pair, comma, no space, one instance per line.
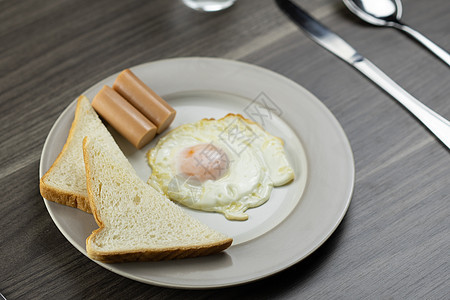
(298,217)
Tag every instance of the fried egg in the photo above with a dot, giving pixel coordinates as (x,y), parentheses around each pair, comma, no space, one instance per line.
(226,165)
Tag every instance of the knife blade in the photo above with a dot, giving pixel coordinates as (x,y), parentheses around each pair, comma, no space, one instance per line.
(339,47)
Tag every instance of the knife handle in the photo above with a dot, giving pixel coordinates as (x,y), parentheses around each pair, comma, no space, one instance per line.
(435,123)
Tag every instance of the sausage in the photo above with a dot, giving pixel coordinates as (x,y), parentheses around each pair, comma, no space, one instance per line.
(126,119)
(144,99)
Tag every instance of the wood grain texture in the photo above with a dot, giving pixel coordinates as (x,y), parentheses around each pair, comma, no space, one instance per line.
(394,241)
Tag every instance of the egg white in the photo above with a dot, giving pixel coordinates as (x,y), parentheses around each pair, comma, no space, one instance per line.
(256,163)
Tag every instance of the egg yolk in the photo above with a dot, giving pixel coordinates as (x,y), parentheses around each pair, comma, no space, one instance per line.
(203,161)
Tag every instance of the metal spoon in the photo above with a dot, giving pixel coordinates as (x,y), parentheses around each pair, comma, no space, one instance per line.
(388,13)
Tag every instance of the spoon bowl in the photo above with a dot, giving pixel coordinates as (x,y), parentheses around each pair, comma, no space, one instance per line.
(388,13)
(379,13)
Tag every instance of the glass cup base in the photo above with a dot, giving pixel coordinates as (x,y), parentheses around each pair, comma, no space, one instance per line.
(208,5)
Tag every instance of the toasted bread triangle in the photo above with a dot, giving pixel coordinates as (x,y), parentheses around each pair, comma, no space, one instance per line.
(65,181)
(136,222)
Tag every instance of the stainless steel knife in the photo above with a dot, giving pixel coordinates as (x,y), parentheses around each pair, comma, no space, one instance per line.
(336,45)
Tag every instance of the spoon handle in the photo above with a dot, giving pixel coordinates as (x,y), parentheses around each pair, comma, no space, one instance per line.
(435,123)
(435,49)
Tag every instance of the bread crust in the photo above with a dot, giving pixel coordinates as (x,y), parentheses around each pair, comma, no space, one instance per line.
(156,255)
(61,196)
(167,253)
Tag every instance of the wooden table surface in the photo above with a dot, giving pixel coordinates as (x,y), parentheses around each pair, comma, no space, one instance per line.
(394,241)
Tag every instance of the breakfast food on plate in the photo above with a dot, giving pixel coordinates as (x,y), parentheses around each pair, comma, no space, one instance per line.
(226,165)
(144,99)
(124,117)
(133,109)
(65,181)
(136,222)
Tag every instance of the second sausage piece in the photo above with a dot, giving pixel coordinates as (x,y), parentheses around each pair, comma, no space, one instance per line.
(144,99)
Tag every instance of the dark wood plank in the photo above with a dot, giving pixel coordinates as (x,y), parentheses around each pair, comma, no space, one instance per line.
(394,240)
